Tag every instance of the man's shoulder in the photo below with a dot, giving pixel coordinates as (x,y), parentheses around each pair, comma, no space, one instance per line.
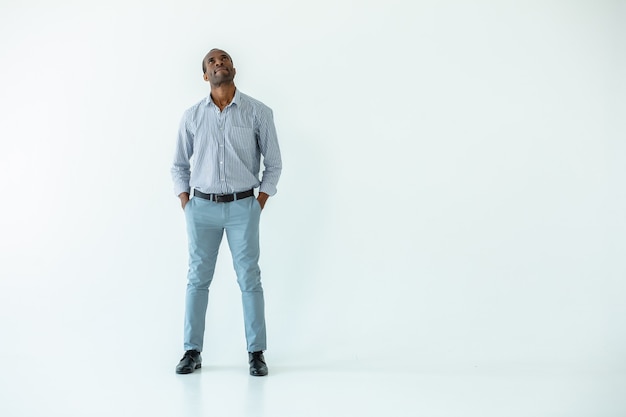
(197,106)
(253,102)
(194,113)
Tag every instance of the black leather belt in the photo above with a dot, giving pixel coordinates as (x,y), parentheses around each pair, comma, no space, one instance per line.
(224,198)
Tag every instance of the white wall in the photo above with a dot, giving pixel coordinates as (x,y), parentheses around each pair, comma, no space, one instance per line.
(452,192)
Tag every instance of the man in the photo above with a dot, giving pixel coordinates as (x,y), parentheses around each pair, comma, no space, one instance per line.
(226,133)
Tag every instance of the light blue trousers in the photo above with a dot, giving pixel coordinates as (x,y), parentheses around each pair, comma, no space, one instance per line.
(206,223)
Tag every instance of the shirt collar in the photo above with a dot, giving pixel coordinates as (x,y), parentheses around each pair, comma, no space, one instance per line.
(235,100)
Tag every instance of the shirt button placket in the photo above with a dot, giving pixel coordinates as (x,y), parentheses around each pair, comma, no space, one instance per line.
(221,152)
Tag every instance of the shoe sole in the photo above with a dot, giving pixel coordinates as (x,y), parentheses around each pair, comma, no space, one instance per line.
(198,366)
(257,374)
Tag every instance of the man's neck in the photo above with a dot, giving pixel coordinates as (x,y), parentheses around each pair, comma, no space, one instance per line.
(222,95)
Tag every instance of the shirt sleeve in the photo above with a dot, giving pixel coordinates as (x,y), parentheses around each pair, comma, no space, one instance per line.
(268,144)
(181,168)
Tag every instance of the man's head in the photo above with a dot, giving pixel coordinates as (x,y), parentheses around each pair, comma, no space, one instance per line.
(217,67)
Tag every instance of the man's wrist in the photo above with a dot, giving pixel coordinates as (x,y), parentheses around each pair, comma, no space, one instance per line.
(262,198)
(184,199)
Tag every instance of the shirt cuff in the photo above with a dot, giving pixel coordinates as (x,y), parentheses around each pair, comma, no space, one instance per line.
(178,189)
(268,189)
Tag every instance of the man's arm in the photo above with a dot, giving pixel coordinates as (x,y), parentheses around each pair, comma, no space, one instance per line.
(181,169)
(268,144)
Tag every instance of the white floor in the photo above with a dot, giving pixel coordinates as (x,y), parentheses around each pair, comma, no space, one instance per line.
(81,383)
(110,350)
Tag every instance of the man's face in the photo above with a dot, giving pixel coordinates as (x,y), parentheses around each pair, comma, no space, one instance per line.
(219,67)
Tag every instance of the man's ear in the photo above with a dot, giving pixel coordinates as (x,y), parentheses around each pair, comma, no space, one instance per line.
(206,77)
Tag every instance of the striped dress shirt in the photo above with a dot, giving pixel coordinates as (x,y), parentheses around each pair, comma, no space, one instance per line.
(219,152)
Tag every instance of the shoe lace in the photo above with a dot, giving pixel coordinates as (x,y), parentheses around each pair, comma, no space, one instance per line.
(258,356)
(191,353)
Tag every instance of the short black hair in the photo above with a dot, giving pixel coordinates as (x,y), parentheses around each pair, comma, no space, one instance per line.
(207,54)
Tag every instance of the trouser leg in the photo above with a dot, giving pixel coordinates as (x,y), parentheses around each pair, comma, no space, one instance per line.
(242,232)
(204,231)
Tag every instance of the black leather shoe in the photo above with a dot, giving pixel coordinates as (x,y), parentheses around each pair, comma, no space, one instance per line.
(189,363)
(258,367)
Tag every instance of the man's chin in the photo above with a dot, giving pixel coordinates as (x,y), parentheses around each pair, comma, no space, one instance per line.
(221,80)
